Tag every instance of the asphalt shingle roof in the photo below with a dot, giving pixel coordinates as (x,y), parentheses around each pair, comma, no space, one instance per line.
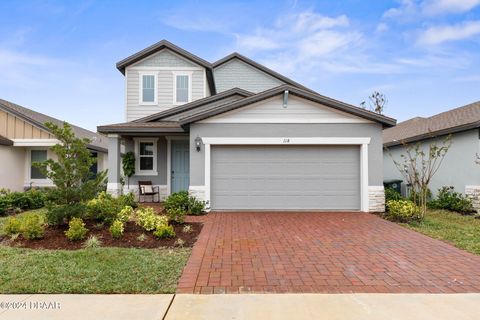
(98,141)
(419,128)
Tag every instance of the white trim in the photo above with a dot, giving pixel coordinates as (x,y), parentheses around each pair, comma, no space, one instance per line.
(154,171)
(189,74)
(35,142)
(361,141)
(155,88)
(113,135)
(204,83)
(169,159)
(287,140)
(364,177)
(159,52)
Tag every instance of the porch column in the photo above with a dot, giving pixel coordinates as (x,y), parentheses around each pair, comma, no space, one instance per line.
(114,186)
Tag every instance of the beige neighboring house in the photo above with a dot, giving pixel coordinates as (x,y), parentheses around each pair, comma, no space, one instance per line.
(25,139)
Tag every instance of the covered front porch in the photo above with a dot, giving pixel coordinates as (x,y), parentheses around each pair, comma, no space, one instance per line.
(162,157)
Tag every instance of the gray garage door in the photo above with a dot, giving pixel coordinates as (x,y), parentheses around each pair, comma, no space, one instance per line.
(285,177)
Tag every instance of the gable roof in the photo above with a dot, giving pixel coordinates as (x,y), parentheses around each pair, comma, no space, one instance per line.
(98,142)
(270,72)
(214,100)
(329,102)
(164,44)
(4,141)
(416,129)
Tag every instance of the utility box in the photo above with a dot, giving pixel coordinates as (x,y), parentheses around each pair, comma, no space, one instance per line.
(393,184)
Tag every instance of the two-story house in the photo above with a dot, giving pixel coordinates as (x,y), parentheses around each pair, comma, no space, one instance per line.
(241,136)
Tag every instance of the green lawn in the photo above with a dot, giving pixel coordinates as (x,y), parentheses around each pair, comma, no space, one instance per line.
(100,270)
(461,231)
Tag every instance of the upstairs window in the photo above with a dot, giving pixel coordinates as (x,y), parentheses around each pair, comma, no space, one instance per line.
(148,88)
(182,88)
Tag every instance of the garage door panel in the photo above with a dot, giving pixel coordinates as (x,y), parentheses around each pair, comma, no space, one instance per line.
(285,177)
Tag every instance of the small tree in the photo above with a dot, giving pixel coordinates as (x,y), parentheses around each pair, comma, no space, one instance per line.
(71,173)
(128,165)
(377,102)
(418,167)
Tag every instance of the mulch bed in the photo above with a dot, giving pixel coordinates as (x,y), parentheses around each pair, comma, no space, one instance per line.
(54,237)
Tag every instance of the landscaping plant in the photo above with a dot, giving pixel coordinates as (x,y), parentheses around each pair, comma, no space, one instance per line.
(31,199)
(149,220)
(164,231)
(76,230)
(125,214)
(70,172)
(403,211)
(128,165)
(92,242)
(30,226)
(419,166)
(33,226)
(116,229)
(392,194)
(180,203)
(448,199)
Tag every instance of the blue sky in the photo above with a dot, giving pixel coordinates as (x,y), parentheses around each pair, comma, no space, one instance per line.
(58,57)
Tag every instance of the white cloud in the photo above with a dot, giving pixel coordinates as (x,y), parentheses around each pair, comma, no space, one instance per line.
(381,27)
(408,10)
(439,34)
(435,7)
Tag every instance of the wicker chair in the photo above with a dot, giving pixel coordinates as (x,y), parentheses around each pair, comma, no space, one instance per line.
(146,189)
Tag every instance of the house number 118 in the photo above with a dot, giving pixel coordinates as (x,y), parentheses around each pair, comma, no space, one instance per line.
(286,140)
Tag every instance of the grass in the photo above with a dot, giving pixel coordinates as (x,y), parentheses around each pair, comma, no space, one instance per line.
(95,270)
(461,231)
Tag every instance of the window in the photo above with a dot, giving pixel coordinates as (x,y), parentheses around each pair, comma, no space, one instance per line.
(146,156)
(182,87)
(37,156)
(148,94)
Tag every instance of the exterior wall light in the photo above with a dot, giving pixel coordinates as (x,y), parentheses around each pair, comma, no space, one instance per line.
(198,143)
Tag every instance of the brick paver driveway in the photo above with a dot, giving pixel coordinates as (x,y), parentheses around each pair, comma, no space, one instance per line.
(321,252)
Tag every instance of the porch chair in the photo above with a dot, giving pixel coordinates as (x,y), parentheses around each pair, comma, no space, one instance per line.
(145,188)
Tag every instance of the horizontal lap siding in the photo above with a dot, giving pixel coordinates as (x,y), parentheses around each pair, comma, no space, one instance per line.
(236,73)
(164,83)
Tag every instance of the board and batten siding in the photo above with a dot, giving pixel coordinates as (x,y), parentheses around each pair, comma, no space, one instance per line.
(163,64)
(14,127)
(236,73)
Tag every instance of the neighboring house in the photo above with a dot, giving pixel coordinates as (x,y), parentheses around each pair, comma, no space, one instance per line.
(241,136)
(459,168)
(25,139)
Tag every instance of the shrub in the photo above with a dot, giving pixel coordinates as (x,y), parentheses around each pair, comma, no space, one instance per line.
(36,198)
(403,211)
(183,201)
(164,231)
(392,194)
(92,242)
(76,229)
(125,214)
(149,220)
(104,207)
(33,226)
(19,200)
(128,200)
(448,199)
(60,214)
(176,214)
(12,226)
(116,229)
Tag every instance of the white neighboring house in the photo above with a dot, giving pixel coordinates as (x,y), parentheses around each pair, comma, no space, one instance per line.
(25,139)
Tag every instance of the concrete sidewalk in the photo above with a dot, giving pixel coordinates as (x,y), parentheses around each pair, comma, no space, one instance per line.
(248,306)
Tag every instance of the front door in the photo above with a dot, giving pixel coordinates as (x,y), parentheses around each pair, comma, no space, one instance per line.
(180,165)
